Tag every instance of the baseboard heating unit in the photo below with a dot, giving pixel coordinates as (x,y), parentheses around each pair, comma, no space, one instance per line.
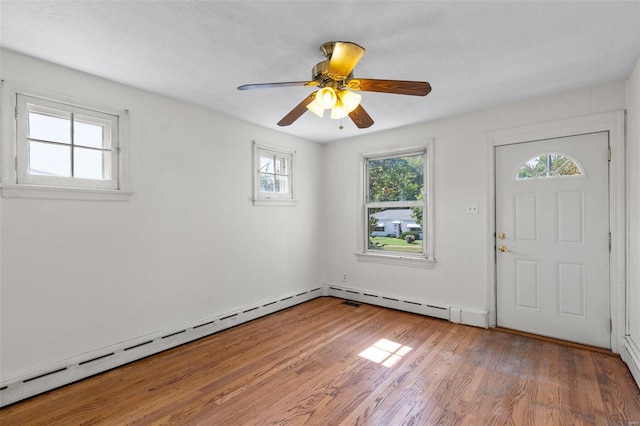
(14,389)
(455,314)
(71,370)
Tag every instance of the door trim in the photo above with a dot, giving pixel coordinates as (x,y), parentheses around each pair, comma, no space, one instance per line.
(613,123)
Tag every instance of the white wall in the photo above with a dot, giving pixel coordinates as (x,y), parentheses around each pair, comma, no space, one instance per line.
(461,176)
(80,275)
(633,166)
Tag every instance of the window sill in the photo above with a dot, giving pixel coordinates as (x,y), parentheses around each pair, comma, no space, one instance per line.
(63,193)
(274,202)
(418,262)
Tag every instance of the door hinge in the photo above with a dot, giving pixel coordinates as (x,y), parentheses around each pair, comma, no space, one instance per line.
(609,153)
(609,242)
(16,112)
(16,163)
(610,325)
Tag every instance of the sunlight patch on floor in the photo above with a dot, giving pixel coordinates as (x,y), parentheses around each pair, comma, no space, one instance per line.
(385,352)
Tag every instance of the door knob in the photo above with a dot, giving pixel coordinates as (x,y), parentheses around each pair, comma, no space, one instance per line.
(503,249)
(502,235)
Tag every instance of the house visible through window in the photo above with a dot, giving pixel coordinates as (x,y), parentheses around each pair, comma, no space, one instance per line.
(395,203)
(65,145)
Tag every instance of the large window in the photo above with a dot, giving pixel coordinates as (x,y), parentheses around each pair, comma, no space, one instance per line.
(61,149)
(396,204)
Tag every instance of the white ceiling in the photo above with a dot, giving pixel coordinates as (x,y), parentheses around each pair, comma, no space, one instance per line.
(474,54)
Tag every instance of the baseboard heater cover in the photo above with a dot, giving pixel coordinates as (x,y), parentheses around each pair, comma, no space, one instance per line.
(467,316)
(14,389)
(631,357)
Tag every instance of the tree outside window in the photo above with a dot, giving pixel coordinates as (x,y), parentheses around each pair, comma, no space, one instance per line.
(395,203)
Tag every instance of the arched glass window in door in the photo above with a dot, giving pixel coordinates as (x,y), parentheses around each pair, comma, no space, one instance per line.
(549,165)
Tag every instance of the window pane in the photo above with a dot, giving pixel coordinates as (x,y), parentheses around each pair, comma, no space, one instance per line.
(396,229)
(88,134)
(49,128)
(267,183)
(281,165)
(525,172)
(266,164)
(567,168)
(273,179)
(49,160)
(282,184)
(548,165)
(396,179)
(88,163)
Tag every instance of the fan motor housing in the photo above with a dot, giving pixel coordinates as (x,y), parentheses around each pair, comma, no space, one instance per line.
(320,74)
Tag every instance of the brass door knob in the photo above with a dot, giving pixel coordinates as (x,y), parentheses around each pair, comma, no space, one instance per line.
(503,249)
(502,235)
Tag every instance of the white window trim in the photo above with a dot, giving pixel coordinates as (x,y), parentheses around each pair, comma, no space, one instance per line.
(12,187)
(425,260)
(287,200)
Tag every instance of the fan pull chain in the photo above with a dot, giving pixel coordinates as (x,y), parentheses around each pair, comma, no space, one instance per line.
(340,126)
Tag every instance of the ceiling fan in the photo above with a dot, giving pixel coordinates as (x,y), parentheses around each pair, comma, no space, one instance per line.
(336,86)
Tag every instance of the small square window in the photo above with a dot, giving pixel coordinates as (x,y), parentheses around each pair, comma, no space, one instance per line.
(65,145)
(62,149)
(273,168)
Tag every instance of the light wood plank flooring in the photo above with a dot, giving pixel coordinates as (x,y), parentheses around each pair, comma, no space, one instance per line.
(327,363)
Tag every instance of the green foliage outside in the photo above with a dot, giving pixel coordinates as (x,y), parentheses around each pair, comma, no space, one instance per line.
(373,221)
(395,244)
(549,165)
(396,179)
(414,234)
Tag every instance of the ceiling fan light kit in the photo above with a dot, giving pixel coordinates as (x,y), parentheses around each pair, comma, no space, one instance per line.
(326,97)
(333,77)
(340,103)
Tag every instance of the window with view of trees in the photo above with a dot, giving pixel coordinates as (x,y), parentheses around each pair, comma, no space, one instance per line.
(395,203)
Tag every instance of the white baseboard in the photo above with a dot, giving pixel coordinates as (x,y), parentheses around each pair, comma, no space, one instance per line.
(13,389)
(631,356)
(455,314)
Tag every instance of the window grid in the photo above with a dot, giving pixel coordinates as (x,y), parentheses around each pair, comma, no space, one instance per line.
(72,144)
(273,170)
(66,146)
(548,165)
(395,196)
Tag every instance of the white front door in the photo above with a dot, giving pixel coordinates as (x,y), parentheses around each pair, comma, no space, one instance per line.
(552,238)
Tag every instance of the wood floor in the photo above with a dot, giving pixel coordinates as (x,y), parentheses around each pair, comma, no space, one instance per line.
(327,363)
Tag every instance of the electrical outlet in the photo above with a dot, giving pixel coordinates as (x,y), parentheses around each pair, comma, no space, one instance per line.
(344,278)
(472,208)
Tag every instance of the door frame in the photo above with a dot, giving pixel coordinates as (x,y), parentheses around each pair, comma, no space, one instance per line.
(613,123)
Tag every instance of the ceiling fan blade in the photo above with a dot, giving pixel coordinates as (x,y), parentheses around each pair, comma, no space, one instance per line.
(344,58)
(361,118)
(274,85)
(297,112)
(399,87)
